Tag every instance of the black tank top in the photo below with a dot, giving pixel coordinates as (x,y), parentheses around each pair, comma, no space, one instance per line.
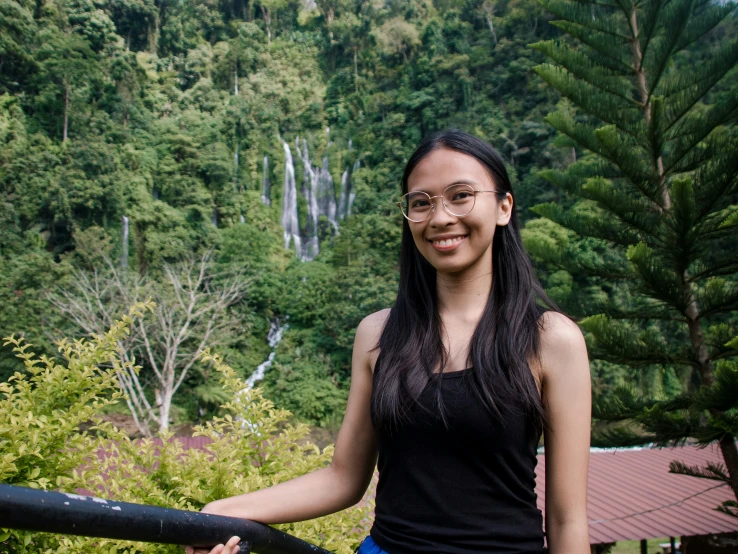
(461,488)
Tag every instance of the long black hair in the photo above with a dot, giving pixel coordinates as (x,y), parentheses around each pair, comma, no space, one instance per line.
(506,337)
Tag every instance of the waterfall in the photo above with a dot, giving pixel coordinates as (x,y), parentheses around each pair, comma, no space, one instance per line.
(352,193)
(273,338)
(214,216)
(235,167)
(346,200)
(242,219)
(319,192)
(124,244)
(235,153)
(155,192)
(342,199)
(266,189)
(309,189)
(290,223)
(326,195)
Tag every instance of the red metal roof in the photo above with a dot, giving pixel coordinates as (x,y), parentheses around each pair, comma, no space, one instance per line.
(633,496)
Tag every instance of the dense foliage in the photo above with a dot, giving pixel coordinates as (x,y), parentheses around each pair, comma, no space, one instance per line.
(40,447)
(658,186)
(147,133)
(163,112)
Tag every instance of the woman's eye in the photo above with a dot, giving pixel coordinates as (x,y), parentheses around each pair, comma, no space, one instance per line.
(419,203)
(459,196)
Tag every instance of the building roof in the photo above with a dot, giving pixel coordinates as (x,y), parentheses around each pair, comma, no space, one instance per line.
(633,496)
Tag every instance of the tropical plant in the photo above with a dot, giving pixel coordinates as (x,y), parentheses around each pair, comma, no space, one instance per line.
(655,96)
(52,437)
(191,313)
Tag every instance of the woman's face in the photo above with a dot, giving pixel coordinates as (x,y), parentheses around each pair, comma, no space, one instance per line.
(457,244)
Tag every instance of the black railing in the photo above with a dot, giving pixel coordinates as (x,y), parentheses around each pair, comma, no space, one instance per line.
(71,514)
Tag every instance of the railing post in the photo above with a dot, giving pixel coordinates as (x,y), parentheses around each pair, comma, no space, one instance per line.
(73,514)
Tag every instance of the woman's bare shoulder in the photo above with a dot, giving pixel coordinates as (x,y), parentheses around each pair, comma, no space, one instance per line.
(373,324)
(556,326)
(562,343)
(368,333)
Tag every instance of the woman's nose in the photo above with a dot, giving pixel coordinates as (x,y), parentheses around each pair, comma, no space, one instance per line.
(439,216)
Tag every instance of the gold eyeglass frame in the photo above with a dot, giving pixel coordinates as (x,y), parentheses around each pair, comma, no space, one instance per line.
(445,207)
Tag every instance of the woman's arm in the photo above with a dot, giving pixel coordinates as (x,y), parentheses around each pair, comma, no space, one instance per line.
(566,391)
(341,484)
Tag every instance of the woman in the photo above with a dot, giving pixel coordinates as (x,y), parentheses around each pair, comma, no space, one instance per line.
(452,388)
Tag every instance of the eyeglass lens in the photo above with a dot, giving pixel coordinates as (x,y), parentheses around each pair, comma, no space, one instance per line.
(458,200)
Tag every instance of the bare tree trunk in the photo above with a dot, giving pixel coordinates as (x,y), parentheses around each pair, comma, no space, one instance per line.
(191,313)
(356,71)
(489,11)
(329,21)
(730,455)
(66,111)
(164,406)
(268,21)
(141,263)
(692,313)
(152,38)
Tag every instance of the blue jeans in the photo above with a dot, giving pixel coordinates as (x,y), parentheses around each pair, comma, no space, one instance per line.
(370,547)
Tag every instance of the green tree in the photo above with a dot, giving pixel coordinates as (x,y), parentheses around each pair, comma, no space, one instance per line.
(19,29)
(53,437)
(67,61)
(268,10)
(135,20)
(658,187)
(397,36)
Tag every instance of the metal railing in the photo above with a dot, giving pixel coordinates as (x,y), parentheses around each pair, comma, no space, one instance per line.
(72,514)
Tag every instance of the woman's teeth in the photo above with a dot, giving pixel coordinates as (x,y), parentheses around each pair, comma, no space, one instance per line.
(448,242)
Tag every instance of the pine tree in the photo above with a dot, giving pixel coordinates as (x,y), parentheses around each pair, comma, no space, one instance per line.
(656,101)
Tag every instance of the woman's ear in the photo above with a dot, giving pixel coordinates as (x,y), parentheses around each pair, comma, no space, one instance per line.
(505,210)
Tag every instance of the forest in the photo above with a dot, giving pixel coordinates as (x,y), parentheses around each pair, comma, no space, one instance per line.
(238,162)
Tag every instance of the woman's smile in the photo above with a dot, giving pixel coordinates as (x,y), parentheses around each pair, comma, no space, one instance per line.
(447,243)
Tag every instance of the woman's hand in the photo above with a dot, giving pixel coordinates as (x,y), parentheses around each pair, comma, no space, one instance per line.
(330,489)
(231,547)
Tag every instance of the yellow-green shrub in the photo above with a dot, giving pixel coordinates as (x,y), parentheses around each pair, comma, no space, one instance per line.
(253,446)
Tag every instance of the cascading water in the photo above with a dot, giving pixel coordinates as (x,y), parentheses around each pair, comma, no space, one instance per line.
(266,187)
(318,190)
(341,208)
(214,216)
(290,223)
(319,193)
(124,244)
(235,167)
(276,329)
(326,194)
(346,199)
(352,193)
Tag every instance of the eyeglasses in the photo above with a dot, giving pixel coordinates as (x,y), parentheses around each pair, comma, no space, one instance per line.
(458,200)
